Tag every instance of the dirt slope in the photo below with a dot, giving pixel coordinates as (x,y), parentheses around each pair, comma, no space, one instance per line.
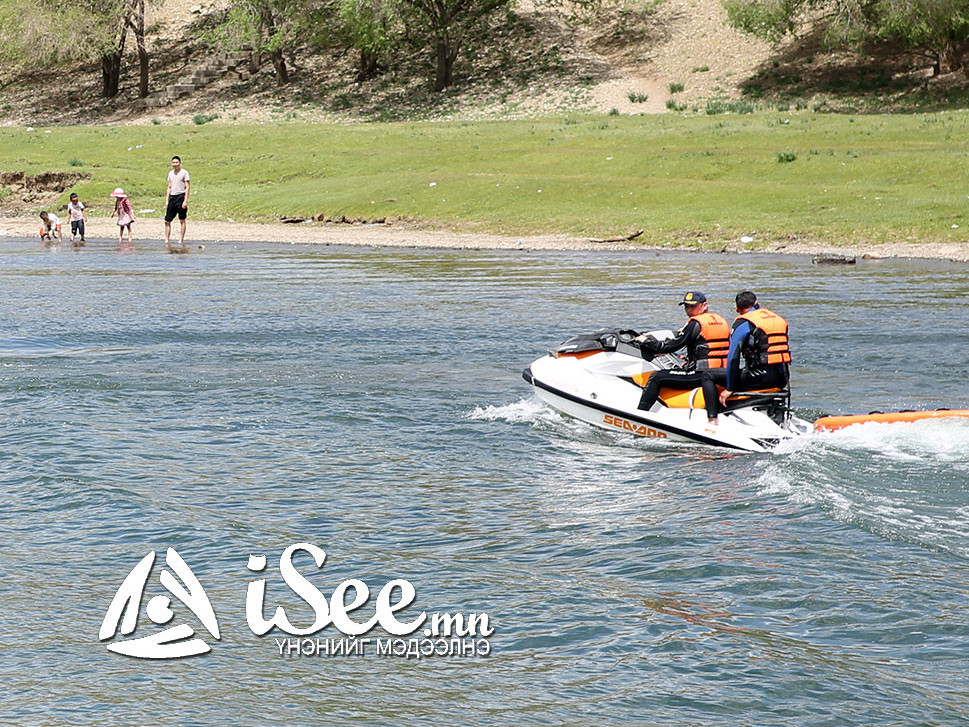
(625,60)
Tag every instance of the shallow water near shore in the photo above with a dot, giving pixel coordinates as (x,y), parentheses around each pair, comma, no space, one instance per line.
(247,397)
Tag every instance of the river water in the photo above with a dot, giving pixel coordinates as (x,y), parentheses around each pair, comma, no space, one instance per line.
(244,398)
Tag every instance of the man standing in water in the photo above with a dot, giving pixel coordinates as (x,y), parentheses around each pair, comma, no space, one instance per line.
(176,202)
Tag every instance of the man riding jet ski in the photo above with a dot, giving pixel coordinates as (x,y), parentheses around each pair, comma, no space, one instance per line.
(599,378)
(759,340)
(706,338)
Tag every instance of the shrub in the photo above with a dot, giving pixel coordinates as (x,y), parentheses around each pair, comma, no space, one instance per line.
(638,97)
(722,106)
(785,157)
(675,87)
(75,162)
(200,119)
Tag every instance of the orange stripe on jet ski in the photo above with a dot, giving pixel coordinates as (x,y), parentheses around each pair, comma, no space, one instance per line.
(830,424)
(580,354)
(682,398)
(642,378)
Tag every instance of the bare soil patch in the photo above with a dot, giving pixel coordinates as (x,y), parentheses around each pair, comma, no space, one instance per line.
(19,190)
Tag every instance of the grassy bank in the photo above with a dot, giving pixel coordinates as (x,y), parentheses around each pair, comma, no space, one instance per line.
(824,177)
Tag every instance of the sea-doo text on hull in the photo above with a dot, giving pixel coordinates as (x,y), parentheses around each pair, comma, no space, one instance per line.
(598,378)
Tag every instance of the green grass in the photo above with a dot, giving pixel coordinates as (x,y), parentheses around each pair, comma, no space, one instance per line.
(859,178)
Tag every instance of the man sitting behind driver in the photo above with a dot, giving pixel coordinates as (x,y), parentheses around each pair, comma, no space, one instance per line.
(759,342)
(706,337)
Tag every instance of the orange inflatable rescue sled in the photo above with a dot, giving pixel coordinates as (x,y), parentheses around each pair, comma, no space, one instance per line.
(829,424)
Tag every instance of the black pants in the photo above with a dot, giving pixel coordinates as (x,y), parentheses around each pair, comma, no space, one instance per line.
(679,379)
(774,377)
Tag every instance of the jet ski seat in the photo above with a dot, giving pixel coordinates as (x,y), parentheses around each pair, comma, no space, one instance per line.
(693,398)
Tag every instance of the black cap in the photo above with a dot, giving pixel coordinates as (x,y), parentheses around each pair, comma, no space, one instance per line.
(694,297)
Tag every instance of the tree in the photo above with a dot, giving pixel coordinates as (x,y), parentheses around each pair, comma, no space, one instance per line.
(938,28)
(274,28)
(50,33)
(112,53)
(446,25)
(369,26)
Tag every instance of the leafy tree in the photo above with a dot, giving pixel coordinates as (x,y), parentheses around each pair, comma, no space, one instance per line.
(48,33)
(447,25)
(275,28)
(371,27)
(938,28)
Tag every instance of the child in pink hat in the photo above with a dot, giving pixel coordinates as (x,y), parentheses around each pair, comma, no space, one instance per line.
(125,213)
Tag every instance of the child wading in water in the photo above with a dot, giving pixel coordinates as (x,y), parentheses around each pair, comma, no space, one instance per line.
(78,216)
(126,215)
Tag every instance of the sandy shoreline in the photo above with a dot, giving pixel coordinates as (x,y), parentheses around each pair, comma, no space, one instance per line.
(149,231)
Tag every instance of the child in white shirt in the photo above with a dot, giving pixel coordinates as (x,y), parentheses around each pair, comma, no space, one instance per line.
(78,216)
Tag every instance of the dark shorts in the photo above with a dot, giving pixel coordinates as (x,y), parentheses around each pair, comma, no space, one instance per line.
(175,208)
(77,227)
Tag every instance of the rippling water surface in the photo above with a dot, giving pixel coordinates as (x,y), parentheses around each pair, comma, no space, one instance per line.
(245,398)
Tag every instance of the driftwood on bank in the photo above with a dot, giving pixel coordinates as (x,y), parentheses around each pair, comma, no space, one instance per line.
(627,238)
(825,258)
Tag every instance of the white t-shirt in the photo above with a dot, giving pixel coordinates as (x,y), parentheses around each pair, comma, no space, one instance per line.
(177,181)
(52,221)
(75,211)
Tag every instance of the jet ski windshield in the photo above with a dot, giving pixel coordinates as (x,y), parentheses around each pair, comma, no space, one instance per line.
(605,339)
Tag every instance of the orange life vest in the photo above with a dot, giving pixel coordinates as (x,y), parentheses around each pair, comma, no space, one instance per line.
(714,340)
(775,328)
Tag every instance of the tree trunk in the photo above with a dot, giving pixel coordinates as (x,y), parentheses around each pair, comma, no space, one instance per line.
(279,63)
(369,66)
(959,55)
(110,74)
(276,55)
(111,61)
(950,59)
(445,65)
(139,28)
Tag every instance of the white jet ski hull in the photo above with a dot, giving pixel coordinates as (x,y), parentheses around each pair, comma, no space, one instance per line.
(598,388)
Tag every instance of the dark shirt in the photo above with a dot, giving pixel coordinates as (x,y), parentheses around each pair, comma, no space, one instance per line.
(688,336)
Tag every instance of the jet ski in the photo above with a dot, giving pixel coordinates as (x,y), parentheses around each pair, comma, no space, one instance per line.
(599,377)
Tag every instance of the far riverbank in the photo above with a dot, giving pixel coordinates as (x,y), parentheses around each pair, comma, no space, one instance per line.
(150,231)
